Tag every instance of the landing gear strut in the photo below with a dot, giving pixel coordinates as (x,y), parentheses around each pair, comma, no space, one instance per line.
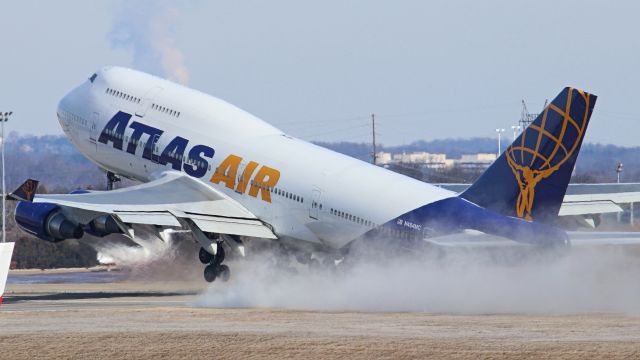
(111,179)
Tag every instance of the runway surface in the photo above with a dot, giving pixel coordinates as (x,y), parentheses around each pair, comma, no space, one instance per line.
(144,319)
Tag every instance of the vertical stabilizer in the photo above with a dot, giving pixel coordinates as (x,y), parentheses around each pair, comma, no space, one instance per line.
(530,178)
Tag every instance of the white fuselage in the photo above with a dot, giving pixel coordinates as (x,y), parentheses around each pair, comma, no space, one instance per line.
(321,196)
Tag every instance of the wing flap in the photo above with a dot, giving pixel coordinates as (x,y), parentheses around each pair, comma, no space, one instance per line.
(150,218)
(233,226)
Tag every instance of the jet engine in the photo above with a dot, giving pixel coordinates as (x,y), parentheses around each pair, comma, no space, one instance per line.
(46,221)
(102,226)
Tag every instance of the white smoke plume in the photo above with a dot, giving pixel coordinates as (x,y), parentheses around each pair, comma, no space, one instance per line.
(150,258)
(147,29)
(583,281)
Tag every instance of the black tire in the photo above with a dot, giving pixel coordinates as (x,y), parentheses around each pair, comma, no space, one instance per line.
(224,273)
(210,273)
(219,258)
(204,256)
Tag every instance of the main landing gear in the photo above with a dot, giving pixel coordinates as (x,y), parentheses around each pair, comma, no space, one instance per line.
(215,269)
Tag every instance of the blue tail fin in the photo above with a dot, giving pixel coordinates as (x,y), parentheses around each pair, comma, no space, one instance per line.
(530,178)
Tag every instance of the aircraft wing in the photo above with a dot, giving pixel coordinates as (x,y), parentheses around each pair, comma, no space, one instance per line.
(167,201)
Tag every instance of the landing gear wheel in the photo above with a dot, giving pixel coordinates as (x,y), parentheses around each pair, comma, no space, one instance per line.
(210,273)
(219,258)
(224,273)
(204,256)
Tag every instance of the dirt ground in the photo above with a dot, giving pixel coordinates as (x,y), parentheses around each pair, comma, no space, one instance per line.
(148,328)
(158,320)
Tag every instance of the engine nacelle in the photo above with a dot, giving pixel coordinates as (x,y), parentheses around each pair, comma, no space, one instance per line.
(102,226)
(46,221)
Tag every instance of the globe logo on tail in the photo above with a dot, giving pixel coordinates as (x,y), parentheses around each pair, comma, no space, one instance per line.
(531,162)
(29,187)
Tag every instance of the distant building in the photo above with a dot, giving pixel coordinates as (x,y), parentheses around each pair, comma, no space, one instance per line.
(427,160)
(422,158)
(383,158)
(477,161)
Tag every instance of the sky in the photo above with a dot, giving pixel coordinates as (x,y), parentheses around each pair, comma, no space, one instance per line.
(318,70)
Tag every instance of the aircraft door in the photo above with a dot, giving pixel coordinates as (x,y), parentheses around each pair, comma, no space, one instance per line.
(93,129)
(147,100)
(316,204)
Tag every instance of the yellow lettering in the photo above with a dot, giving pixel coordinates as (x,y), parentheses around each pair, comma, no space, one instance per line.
(246,176)
(227,171)
(265,179)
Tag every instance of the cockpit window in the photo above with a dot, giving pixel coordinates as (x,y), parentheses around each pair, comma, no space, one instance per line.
(93,77)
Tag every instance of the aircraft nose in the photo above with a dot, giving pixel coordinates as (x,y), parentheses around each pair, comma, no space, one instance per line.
(63,106)
(68,106)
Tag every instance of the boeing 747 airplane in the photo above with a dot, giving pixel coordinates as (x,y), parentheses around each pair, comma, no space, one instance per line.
(212,169)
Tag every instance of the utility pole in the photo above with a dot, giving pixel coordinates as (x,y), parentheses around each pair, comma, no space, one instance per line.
(4,118)
(373,131)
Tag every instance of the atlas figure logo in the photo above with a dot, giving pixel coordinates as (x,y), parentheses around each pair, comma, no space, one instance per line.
(531,163)
(195,163)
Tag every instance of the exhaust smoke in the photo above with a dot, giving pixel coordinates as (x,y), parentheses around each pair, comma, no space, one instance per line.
(147,29)
(150,258)
(602,279)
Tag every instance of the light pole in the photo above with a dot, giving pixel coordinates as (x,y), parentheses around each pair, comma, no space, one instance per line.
(516,129)
(4,117)
(499,131)
(619,169)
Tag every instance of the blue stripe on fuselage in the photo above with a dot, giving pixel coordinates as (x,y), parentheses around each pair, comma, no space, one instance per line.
(456,214)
